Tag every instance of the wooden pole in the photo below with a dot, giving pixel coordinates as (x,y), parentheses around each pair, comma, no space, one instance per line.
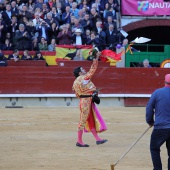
(112,167)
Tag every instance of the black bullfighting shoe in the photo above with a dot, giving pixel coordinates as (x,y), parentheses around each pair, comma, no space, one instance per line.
(80,145)
(101,141)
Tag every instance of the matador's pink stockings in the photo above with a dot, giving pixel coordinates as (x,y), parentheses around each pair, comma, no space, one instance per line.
(80,134)
(93,131)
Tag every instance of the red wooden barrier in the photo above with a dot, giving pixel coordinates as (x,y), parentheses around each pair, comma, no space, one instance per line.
(58,79)
(31,63)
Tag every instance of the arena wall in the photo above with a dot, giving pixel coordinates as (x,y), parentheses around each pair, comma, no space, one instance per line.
(39,85)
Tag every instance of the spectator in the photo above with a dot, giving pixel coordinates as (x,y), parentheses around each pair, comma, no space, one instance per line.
(146,63)
(2,31)
(111,13)
(6,15)
(114,4)
(54,31)
(30,4)
(77,25)
(45,9)
(68,27)
(81,14)
(63,3)
(109,21)
(74,9)
(94,40)
(59,12)
(86,9)
(94,16)
(101,34)
(66,16)
(24,13)
(43,31)
(120,36)
(125,44)
(14,56)
(78,56)
(69,3)
(35,46)
(72,18)
(37,20)
(43,44)
(8,35)
(50,3)
(38,56)
(2,7)
(55,15)
(106,9)
(83,4)
(25,20)
(2,56)
(99,30)
(87,34)
(14,8)
(111,37)
(23,39)
(87,22)
(78,2)
(99,5)
(64,36)
(18,3)
(52,46)
(30,28)
(39,4)
(40,12)
(26,55)
(78,37)
(12,26)
(49,20)
(3,62)
(7,45)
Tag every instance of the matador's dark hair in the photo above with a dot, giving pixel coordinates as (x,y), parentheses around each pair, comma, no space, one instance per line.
(76,71)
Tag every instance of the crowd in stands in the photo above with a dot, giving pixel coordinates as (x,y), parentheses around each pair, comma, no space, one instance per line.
(40,25)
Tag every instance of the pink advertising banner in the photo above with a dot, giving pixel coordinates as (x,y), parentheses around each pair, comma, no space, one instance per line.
(145,8)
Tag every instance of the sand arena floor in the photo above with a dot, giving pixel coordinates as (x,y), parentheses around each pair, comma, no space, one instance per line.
(44,139)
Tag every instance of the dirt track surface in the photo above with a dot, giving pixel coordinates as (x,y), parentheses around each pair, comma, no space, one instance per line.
(45,138)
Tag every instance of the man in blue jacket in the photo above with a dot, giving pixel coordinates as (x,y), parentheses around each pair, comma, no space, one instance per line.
(158,115)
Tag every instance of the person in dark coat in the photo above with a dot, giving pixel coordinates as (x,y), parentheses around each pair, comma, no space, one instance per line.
(94,40)
(22,39)
(87,23)
(14,56)
(3,62)
(38,56)
(44,28)
(26,56)
(111,36)
(24,13)
(6,15)
(3,30)
(7,45)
